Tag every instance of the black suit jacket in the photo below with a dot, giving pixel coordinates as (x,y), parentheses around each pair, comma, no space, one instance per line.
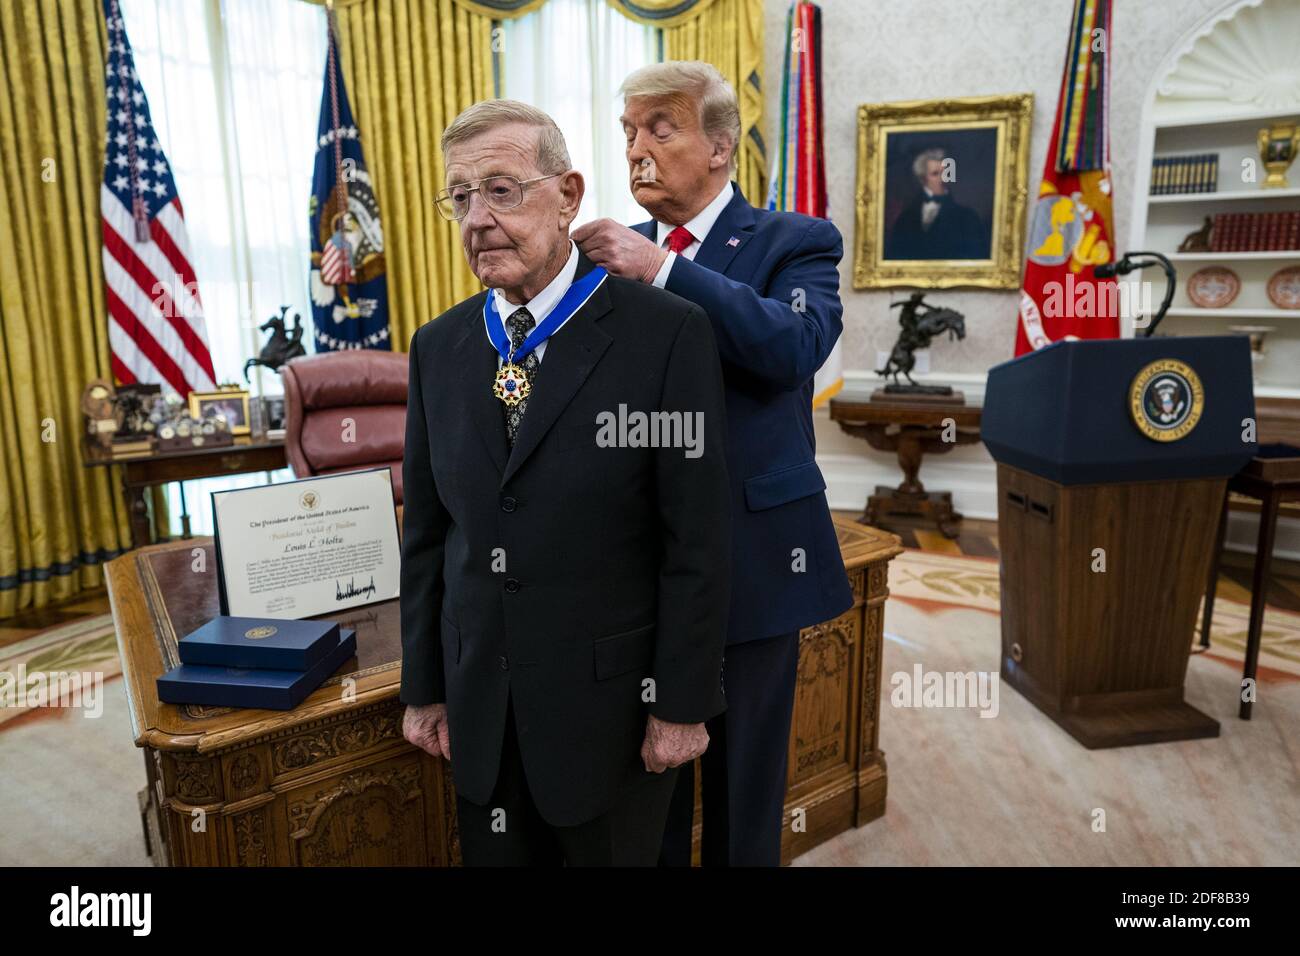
(560,573)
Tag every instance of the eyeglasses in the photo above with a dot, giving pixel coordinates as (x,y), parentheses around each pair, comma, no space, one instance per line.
(499,192)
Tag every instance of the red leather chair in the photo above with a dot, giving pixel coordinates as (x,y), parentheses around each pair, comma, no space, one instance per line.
(322,391)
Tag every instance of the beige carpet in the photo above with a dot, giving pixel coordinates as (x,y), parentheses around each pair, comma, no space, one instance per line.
(963,789)
(1016,790)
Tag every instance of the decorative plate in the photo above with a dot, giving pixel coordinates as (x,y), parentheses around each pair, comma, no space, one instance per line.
(1284,288)
(1213,287)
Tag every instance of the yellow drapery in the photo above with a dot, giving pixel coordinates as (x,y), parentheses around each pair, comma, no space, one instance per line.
(726,33)
(58,520)
(410,66)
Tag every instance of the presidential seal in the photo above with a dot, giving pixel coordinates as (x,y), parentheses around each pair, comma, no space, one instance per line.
(1166,400)
(260,632)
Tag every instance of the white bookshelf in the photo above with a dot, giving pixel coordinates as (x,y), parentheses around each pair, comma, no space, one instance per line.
(1217,88)
(1230,197)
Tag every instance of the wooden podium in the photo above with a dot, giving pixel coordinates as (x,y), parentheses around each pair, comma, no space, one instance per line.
(1106,529)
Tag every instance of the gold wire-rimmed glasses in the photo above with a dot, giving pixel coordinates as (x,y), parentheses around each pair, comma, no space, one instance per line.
(499,192)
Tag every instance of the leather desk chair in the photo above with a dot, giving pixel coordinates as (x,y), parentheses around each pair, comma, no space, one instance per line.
(322,391)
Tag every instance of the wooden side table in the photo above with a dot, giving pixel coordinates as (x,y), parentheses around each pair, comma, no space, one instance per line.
(143,470)
(1272,477)
(910,426)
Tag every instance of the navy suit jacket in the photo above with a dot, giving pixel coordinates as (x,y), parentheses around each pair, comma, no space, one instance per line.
(747,276)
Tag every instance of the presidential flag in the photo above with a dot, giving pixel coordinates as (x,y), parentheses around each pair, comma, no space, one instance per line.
(156,332)
(349,293)
(798,181)
(1071,229)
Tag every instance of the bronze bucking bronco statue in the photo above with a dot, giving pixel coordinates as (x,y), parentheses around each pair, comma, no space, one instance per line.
(284,344)
(920,323)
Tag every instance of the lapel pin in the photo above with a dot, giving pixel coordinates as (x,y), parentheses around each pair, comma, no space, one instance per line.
(733,242)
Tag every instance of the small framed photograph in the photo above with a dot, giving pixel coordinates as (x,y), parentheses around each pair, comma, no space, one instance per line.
(941,192)
(230,403)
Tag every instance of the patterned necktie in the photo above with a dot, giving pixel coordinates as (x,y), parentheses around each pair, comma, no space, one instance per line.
(679,239)
(519,325)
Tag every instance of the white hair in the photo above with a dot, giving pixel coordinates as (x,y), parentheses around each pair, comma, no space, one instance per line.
(923,160)
(701,82)
(552,153)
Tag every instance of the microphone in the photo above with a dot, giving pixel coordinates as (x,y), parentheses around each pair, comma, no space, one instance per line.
(1109,270)
(1128,263)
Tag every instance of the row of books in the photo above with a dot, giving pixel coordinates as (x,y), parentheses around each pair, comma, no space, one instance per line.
(1198,173)
(1255,232)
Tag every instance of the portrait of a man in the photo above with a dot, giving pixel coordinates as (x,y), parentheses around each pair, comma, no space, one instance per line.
(939,198)
(941,192)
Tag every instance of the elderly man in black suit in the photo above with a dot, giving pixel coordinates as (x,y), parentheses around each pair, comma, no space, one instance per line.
(566,539)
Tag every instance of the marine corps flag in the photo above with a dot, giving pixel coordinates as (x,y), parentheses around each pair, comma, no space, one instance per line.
(349,294)
(1071,230)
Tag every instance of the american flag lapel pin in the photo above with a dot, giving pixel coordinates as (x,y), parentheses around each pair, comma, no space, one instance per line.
(733,242)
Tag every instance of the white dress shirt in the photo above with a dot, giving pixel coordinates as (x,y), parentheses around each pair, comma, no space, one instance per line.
(929,208)
(698,227)
(541,305)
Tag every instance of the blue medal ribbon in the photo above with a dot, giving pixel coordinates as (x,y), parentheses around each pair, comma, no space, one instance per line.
(573,300)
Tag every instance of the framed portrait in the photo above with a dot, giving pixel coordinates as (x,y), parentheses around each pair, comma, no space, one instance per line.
(231,403)
(941,192)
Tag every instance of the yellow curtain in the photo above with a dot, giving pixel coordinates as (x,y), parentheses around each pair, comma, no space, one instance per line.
(410,66)
(58,520)
(726,33)
(729,34)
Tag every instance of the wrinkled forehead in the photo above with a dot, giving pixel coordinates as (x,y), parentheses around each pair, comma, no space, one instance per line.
(506,150)
(678,108)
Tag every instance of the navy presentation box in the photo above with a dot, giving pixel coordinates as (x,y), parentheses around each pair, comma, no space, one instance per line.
(251,687)
(259,642)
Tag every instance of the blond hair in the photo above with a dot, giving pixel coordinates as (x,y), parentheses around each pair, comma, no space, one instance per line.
(552,153)
(700,82)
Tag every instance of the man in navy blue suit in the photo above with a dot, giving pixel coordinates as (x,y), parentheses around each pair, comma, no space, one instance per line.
(770,285)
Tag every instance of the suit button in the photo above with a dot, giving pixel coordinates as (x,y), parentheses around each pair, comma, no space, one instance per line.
(508,503)
(511,585)
(504,662)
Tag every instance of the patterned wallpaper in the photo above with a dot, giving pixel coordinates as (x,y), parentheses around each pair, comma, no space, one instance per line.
(883,50)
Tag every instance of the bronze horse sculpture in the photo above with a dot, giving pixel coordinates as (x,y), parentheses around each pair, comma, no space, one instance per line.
(282,345)
(918,329)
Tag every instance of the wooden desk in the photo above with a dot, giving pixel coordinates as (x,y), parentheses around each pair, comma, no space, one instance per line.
(141,471)
(910,426)
(333,781)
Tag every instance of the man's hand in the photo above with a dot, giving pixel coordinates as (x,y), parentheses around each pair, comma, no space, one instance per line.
(622,251)
(426,727)
(671,745)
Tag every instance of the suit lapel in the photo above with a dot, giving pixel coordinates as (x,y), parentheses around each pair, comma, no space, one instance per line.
(729,234)
(571,354)
(476,362)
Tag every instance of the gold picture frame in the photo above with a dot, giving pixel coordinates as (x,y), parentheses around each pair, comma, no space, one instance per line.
(199,400)
(996,131)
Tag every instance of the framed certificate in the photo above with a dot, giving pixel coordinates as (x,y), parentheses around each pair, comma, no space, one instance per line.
(302,548)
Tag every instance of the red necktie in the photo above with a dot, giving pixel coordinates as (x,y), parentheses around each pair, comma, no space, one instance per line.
(679,239)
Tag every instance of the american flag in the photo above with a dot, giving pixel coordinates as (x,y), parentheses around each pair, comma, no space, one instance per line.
(156,332)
